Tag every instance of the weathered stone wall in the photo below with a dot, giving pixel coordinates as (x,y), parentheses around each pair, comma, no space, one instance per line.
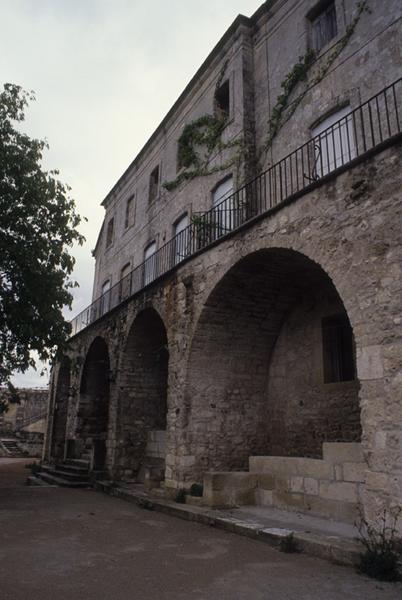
(242,318)
(255,60)
(348,228)
(33,403)
(142,390)
(305,411)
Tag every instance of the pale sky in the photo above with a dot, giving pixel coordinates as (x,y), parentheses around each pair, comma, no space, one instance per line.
(105,73)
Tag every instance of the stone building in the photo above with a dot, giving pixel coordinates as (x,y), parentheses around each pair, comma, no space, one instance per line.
(245,329)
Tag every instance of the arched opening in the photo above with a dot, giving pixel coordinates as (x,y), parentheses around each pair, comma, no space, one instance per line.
(143,398)
(271,369)
(60,410)
(93,411)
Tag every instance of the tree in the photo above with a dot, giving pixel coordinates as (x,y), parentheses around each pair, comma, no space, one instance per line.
(38,225)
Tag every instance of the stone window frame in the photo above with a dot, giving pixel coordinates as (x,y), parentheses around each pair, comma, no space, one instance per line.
(154,185)
(351,98)
(130,213)
(316,9)
(328,308)
(109,239)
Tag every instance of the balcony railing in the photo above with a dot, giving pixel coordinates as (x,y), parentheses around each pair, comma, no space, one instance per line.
(363,129)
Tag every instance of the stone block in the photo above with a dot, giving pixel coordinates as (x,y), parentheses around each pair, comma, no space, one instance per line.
(287,500)
(221,480)
(263,497)
(289,465)
(338,490)
(296,484)
(376,481)
(334,452)
(311,486)
(355,472)
(333,509)
(369,363)
(266,481)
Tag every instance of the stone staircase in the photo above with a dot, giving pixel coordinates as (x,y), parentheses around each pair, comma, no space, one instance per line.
(329,487)
(11,448)
(73,473)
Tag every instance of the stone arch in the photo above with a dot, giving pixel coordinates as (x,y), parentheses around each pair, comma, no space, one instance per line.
(255,375)
(93,412)
(60,411)
(143,388)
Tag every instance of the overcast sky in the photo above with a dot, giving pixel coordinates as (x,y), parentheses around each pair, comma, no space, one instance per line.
(105,73)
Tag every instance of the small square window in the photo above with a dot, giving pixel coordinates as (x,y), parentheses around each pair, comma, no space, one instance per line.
(222,100)
(110,233)
(323,25)
(337,341)
(154,184)
(129,216)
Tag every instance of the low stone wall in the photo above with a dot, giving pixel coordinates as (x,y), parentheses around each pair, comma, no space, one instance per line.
(31,443)
(331,487)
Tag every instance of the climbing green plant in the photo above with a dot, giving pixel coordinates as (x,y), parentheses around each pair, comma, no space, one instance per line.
(284,109)
(199,140)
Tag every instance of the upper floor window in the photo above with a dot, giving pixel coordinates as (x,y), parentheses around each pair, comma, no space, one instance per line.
(110,233)
(105,297)
(334,141)
(181,239)
(149,263)
(222,100)
(129,214)
(323,24)
(223,205)
(154,184)
(337,341)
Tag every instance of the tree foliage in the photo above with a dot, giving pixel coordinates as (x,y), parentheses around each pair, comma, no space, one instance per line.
(38,226)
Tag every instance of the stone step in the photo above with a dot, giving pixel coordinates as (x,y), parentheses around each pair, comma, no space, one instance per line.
(72,468)
(77,462)
(33,480)
(62,474)
(61,482)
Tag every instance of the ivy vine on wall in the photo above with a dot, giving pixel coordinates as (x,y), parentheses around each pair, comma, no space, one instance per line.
(199,140)
(283,109)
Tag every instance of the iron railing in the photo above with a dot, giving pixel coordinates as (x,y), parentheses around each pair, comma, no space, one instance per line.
(361,130)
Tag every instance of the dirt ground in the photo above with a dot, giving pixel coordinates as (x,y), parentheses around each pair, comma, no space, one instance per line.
(80,544)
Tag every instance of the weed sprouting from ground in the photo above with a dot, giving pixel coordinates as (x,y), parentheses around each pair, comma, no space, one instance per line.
(288,544)
(380,559)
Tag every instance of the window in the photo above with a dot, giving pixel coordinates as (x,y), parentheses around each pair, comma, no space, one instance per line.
(154,184)
(125,282)
(337,340)
(129,216)
(149,263)
(223,204)
(222,100)
(323,25)
(110,233)
(334,142)
(105,298)
(181,239)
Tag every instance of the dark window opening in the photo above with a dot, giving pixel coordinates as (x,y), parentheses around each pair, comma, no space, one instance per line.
(129,216)
(323,24)
(109,233)
(154,184)
(222,100)
(337,340)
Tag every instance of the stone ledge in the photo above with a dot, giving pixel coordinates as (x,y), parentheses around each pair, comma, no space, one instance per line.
(328,547)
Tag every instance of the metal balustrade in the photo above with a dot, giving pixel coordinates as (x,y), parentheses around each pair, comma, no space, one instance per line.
(363,129)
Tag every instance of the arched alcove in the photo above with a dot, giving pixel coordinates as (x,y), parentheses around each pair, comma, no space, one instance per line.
(271,369)
(143,393)
(94,403)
